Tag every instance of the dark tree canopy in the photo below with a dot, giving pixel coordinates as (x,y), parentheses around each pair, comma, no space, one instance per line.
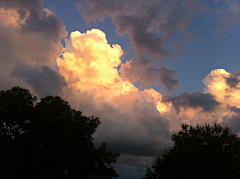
(48,139)
(204,151)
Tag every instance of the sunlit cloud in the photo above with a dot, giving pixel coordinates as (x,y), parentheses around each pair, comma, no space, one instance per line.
(87,71)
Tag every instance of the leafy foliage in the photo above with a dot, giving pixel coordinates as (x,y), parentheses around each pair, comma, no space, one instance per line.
(49,139)
(203,151)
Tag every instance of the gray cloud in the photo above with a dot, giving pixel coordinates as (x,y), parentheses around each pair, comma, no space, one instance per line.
(43,79)
(233,80)
(36,40)
(142,40)
(148,75)
(206,101)
(150,26)
(132,167)
(234,109)
(22,4)
(39,20)
(233,122)
(47,23)
(138,131)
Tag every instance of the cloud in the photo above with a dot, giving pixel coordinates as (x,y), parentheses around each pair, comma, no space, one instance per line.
(150,25)
(223,85)
(45,23)
(22,4)
(148,75)
(143,41)
(37,20)
(43,79)
(192,100)
(234,109)
(28,33)
(159,29)
(137,166)
(230,15)
(218,103)
(86,73)
(232,122)
(134,123)
(233,80)
(94,84)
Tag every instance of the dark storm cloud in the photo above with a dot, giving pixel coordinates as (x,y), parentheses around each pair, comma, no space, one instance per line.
(233,122)
(148,75)
(43,79)
(233,80)
(206,101)
(20,4)
(157,140)
(137,149)
(139,131)
(234,109)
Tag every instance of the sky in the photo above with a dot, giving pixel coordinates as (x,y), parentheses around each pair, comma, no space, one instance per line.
(142,67)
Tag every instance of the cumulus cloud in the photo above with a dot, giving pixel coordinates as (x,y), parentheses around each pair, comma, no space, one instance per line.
(148,75)
(219,102)
(89,67)
(28,33)
(222,84)
(225,86)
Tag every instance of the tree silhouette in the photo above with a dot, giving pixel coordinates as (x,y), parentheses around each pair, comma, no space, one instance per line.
(203,151)
(49,139)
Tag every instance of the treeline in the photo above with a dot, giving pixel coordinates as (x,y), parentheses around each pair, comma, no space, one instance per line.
(47,139)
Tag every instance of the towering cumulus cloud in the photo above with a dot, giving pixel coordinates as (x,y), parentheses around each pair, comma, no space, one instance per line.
(89,67)
(30,35)
(131,121)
